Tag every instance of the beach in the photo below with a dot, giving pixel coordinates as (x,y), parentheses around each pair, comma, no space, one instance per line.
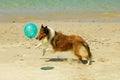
(96,21)
(20,60)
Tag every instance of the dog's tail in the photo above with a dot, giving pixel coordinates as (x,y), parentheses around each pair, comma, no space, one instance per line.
(88,50)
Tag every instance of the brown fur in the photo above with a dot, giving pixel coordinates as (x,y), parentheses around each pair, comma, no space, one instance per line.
(61,42)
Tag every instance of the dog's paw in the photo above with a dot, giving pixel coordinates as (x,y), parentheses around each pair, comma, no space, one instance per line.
(44,51)
(84,61)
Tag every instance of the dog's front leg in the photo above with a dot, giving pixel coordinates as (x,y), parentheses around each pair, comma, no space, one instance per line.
(48,48)
(38,45)
(45,49)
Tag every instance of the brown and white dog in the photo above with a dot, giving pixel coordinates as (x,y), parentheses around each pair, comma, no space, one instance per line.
(62,42)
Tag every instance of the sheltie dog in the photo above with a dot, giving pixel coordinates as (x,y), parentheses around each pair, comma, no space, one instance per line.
(62,42)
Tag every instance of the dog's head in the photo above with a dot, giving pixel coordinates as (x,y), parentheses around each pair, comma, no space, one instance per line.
(44,31)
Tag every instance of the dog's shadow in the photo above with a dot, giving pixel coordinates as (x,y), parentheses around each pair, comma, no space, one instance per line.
(57,59)
(54,59)
(61,60)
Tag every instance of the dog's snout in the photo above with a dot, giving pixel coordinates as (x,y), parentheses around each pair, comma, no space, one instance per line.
(36,38)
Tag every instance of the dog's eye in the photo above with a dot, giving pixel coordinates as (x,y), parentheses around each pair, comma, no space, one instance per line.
(42,32)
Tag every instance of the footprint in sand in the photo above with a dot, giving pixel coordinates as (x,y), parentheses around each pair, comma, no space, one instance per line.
(103,60)
(19,57)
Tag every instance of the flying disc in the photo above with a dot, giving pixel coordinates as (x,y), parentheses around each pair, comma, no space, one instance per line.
(47,68)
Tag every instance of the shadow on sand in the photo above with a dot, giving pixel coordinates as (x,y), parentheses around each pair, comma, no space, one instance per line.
(54,59)
(63,59)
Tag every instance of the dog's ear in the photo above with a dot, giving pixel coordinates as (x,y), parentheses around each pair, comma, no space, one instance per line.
(42,26)
(46,30)
(46,27)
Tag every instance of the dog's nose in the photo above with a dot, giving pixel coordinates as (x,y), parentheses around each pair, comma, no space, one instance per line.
(36,38)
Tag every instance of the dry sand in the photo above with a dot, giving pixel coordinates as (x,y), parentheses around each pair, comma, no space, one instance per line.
(19,60)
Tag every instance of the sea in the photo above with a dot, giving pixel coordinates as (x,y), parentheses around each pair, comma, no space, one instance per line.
(58,9)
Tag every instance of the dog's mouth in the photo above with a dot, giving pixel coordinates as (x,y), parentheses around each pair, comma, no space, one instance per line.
(39,38)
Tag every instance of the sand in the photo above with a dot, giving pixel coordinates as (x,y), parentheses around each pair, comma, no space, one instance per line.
(20,60)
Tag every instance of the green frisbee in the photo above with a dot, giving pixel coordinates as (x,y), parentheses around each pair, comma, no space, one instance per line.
(47,68)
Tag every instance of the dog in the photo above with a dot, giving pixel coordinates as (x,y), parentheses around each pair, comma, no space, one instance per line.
(62,42)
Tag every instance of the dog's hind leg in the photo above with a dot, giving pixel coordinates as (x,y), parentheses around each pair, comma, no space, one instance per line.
(86,59)
(76,52)
(89,56)
(81,52)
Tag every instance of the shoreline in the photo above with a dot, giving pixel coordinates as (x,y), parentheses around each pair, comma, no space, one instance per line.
(63,16)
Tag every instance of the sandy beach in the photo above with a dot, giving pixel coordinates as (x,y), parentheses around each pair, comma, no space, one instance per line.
(20,60)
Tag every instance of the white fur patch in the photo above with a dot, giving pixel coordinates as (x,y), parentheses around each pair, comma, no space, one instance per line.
(52,33)
(45,42)
(83,51)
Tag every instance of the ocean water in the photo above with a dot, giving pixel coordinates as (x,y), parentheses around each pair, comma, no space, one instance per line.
(33,7)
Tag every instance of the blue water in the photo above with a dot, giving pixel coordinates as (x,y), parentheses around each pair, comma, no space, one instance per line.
(74,7)
(34,6)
